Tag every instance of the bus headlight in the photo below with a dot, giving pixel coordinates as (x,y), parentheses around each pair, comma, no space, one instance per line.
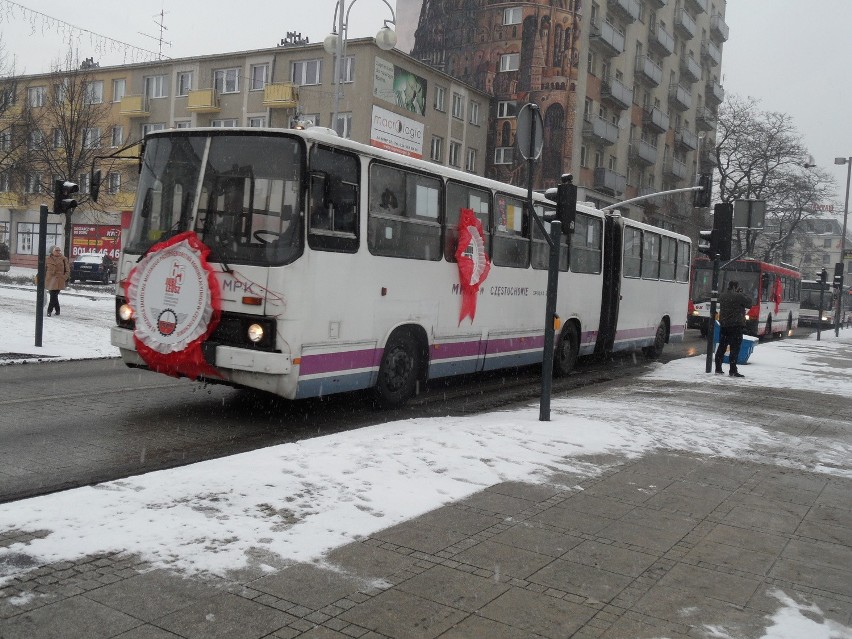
(255,333)
(125,312)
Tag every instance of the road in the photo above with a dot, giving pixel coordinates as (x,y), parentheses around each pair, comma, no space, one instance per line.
(68,424)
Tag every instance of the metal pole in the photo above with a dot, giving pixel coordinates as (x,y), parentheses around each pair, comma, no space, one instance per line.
(338,54)
(42,251)
(819,312)
(843,249)
(549,318)
(711,321)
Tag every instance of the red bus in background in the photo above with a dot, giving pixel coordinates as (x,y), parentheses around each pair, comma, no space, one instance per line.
(774,291)
(96,238)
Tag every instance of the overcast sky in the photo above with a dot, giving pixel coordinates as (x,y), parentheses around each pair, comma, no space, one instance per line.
(790,57)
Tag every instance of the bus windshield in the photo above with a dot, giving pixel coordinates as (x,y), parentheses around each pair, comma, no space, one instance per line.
(240,193)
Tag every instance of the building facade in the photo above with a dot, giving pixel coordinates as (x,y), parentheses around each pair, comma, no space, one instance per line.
(628,89)
(385,98)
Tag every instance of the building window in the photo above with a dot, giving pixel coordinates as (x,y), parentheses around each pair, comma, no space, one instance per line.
(156,87)
(584,156)
(257,121)
(225,122)
(510,62)
(470,164)
(826,243)
(508,109)
(5,187)
(454,158)
(28,237)
(33,183)
(184,83)
(512,15)
(94,92)
(347,70)
(60,93)
(458,106)
(343,126)
(440,99)
(473,109)
(58,138)
(226,80)
(35,96)
(92,138)
(149,127)
(5,141)
(117,137)
(35,139)
(85,183)
(259,75)
(306,72)
(503,154)
(113,183)
(119,89)
(182,124)
(436,153)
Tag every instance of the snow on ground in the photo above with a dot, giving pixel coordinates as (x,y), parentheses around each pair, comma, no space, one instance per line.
(293,502)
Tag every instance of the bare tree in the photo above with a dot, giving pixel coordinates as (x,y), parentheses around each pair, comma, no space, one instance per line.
(760,155)
(65,133)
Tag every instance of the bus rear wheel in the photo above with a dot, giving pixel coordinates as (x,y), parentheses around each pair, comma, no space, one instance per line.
(399,371)
(656,349)
(566,351)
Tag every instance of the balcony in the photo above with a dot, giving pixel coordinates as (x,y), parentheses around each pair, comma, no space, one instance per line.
(616,94)
(655,121)
(710,51)
(598,130)
(679,97)
(607,40)
(661,41)
(643,153)
(609,181)
(648,71)
(676,169)
(281,95)
(686,139)
(690,70)
(714,93)
(628,10)
(718,28)
(684,24)
(705,119)
(202,101)
(696,6)
(134,106)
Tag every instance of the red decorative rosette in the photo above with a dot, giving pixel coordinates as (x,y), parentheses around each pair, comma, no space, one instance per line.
(176,302)
(472,260)
(777,294)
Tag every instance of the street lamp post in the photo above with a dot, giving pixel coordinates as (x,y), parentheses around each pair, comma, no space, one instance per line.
(335,44)
(848,163)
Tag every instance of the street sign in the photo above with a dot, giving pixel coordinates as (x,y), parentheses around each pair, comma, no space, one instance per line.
(529,124)
(749,214)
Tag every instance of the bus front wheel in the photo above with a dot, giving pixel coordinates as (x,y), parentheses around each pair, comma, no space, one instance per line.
(566,351)
(398,372)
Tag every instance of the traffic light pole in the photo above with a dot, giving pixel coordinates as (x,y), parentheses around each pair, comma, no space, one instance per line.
(711,321)
(42,252)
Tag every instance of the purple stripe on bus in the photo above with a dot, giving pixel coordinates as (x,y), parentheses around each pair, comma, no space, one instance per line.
(451,350)
(336,362)
(514,344)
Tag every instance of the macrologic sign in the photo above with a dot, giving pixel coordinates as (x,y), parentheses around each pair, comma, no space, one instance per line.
(396,133)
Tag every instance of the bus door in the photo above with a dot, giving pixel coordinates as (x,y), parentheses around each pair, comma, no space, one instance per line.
(611,284)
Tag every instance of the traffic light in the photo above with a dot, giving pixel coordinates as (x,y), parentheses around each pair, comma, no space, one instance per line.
(707,243)
(701,197)
(838,275)
(723,215)
(566,203)
(62,201)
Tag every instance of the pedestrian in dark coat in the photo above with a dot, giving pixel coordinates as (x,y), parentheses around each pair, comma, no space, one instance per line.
(57,272)
(733,305)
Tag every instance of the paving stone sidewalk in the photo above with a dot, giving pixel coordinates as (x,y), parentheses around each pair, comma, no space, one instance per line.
(670,545)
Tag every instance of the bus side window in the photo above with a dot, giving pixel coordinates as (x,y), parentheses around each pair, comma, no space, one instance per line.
(333,200)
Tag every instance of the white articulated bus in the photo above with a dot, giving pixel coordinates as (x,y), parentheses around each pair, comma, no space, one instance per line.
(303,264)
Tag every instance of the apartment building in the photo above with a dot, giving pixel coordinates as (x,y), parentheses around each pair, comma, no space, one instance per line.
(277,87)
(628,89)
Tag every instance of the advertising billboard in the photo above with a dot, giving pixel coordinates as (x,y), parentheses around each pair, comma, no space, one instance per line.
(396,133)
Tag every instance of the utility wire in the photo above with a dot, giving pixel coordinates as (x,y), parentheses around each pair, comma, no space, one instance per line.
(49,21)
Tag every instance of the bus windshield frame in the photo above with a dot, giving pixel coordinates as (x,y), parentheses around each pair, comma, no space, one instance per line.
(241,192)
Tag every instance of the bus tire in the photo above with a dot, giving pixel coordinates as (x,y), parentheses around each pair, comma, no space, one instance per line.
(566,351)
(399,370)
(767,332)
(656,349)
